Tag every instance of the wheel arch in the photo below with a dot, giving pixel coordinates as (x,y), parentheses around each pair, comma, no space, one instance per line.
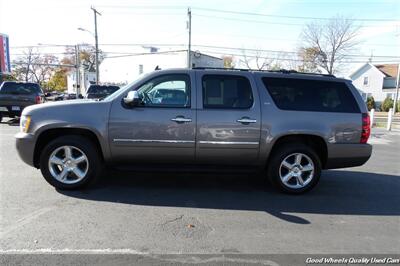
(316,142)
(50,134)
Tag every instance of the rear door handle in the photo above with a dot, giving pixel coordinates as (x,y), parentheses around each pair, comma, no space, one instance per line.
(246,120)
(181,119)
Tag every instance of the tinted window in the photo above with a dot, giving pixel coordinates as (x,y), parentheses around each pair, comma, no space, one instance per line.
(166,91)
(19,88)
(311,95)
(226,91)
(97,89)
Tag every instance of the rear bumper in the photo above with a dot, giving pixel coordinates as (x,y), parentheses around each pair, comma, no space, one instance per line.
(11,113)
(347,155)
(25,144)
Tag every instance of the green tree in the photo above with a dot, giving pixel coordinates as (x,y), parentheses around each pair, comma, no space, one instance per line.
(310,59)
(388,103)
(58,81)
(371,103)
(228,61)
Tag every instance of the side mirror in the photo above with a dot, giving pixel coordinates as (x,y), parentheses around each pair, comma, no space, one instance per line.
(132,99)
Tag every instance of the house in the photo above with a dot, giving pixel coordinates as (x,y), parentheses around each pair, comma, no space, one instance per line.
(178,59)
(124,69)
(86,79)
(378,81)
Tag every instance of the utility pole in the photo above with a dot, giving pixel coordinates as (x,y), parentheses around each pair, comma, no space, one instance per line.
(189,26)
(396,95)
(78,69)
(96,43)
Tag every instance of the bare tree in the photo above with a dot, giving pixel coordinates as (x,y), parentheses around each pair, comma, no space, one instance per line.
(23,65)
(331,41)
(259,60)
(43,68)
(87,56)
(35,67)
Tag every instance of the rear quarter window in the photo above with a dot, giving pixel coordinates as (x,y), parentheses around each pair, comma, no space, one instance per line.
(311,95)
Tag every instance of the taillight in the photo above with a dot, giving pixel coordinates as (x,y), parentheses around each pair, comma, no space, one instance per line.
(38,99)
(366,128)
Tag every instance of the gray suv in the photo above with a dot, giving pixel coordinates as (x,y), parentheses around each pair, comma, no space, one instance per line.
(285,124)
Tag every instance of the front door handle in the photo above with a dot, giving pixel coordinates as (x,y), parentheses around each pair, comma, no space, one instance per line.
(181,119)
(246,120)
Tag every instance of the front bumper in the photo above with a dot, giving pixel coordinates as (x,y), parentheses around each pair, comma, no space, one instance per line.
(347,155)
(25,144)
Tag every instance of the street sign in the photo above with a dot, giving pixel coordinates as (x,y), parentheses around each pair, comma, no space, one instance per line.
(5,64)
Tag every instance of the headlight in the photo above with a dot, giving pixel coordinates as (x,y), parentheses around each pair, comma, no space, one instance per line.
(24,123)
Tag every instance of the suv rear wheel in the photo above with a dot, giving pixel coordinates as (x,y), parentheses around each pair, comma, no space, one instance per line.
(294,168)
(70,162)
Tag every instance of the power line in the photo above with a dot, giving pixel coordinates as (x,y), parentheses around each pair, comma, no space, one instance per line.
(138,54)
(283,16)
(275,51)
(294,59)
(280,39)
(274,23)
(208,46)
(165,7)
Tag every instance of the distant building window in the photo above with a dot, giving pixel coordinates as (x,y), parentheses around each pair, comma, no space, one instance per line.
(390,95)
(140,69)
(366,81)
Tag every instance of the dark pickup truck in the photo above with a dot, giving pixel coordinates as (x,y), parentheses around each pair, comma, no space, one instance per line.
(100,91)
(15,96)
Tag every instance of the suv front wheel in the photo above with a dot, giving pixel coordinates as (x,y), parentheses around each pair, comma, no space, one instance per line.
(294,168)
(70,162)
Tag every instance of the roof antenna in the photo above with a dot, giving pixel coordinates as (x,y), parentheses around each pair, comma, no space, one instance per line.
(157,68)
(371,56)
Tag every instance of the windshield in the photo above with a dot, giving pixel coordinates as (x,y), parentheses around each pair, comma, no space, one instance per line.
(19,88)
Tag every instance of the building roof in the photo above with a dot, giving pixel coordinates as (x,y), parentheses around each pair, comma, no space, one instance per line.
(390,70)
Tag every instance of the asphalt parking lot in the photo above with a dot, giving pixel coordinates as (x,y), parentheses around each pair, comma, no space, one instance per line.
(355,210)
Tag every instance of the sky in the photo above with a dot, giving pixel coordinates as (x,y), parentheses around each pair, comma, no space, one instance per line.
(157,22)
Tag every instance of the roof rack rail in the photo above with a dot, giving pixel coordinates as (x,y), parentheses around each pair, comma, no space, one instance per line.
(284,71)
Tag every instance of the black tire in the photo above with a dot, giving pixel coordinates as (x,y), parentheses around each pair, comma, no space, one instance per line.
(273,168)
(83,144)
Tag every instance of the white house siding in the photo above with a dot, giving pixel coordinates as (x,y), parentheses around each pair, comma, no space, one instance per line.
(126,69)
(87,78)
(375,82)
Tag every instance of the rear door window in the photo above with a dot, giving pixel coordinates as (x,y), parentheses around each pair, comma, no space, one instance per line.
(226,92)
(311,95)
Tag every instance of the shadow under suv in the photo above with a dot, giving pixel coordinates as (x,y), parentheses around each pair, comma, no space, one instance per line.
(288,125)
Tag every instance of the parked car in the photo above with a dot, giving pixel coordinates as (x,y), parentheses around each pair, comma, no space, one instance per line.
(15,96)
(54,96)
(290,125)
(71,96)
(100,91)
